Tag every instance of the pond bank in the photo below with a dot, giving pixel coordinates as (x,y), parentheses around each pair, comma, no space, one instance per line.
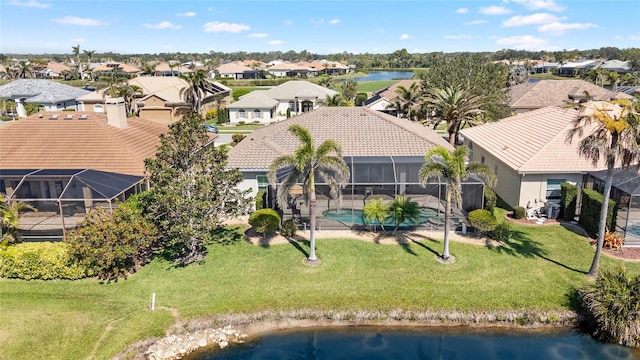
(201,334)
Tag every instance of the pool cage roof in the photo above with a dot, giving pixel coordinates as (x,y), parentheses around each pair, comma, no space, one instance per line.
(103,185)
(626,180)
(388,170)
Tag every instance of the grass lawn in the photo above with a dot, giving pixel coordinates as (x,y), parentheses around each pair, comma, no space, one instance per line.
(226,128)
(538,269)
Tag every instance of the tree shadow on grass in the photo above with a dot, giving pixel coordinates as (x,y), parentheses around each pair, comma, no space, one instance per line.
(295,242)
(519,244)
(420,240)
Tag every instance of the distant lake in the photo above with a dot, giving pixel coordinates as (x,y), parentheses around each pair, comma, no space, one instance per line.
(384,75)
(423,343)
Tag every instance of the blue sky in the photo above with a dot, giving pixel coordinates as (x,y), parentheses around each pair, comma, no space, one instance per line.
(322,27)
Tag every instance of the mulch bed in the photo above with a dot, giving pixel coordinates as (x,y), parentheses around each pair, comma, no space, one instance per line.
(628,253)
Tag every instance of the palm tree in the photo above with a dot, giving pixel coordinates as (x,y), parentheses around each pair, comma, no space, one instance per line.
(307,162)
(402,209)
(335,100)
(326,81)
(76,57)
(128,93)
(195,92)
(452,166)
(89,54)
(376,210)
(409,97)
(455,106)
(614,78)
(22,71)
(9,216)
(614,135)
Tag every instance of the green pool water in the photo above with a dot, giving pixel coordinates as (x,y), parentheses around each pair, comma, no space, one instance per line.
(354,216)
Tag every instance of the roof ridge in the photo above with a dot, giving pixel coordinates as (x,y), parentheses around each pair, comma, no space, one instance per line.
(400,123)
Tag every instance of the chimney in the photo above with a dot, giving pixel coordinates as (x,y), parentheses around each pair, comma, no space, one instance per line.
(116,114)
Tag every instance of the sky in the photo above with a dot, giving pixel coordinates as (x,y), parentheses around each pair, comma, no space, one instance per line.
(320,27)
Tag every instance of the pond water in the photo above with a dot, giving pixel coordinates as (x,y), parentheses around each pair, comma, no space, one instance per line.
(422,343)
(383,75)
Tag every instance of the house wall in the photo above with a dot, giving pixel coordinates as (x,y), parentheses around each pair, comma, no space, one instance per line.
(265,116)
(534,186)
(161,115)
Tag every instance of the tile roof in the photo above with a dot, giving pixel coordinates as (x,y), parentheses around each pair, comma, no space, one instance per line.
(112,65)
(359,131)
(532,142)
(255,99)
(165,87)
(42,143)
(290,89)
(164,67)
(390,92)
(233,68)
(537,94)
(40,91)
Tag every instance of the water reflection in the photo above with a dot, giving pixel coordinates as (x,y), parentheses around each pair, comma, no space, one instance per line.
(382,75)
(424,343)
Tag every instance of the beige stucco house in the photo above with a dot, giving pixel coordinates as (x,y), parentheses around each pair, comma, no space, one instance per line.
(530,155)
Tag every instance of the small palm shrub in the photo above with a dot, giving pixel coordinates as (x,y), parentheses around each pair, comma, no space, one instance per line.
(519,212)
(289,228)
(264,221)
(482,220)
(612,306)
(502,232)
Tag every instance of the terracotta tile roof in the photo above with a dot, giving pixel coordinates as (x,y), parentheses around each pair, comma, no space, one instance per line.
(359,131)
(42,143)
(537,94)
(112,65)
(233,68)
(532,142)
(164,67)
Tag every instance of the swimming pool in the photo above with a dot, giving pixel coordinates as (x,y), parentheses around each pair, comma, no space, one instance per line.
(355,216)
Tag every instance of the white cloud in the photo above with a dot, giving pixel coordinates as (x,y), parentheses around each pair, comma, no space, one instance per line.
(476,22)
(334,21)
(258,35)
(275,42)
(74,20)
(319,21)
(163,25)
(217,26)
(288,22)
(494,10)
(558,28)
(404,36)
(458,37)
(540,18)
(77,40)
(30,3)
(187,14)
(549,5)
(462,11)
(527,42)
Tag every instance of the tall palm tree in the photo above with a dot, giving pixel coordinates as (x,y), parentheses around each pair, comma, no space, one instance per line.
(455,106)
(196,90)
(76,58)
(128,92)
(409,97)
(89,54)
(614,135)
(452,166)
(614,79)
(307,162)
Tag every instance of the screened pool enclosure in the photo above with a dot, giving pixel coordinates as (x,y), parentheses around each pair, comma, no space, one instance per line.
(379,177)
(63,197)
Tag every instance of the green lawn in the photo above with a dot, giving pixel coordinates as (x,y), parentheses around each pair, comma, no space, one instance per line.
(65,319)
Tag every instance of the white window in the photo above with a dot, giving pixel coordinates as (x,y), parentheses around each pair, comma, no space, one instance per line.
(257,114)
(98,108)
(242,114)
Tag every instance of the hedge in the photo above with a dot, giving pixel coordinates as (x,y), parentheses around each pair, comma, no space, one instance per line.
(264,221)
(568,202)
(490,198)
(590,212)
(39,260)
(482,220)
(261,196)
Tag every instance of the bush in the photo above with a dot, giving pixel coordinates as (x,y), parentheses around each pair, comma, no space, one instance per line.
(502,232)
(569,197)
(612,306)
(482,220)
(239,92)
(260,199)
(264,221)
(236,138)
(519,212)
(211,114)
(114,245)
(360,99)
(490,199)
(590,212)
(40,260)
(223,116)
(289,228)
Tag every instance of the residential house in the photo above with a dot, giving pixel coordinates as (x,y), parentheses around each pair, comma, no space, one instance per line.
(621,67)
(67,163)
(239,71)
(577,68)
(109,67)
(165,69)
(292,70)
(257,108)
(50,94)
(51,70)
(384,100)
(530,155)
(332,68)
(297,96)
(384,155)
(536,94)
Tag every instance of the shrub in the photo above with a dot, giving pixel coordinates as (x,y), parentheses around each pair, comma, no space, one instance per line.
(502,232)
(360,99)
(260,199)
(590,212)
(211,114)
(289,228)
(264,221)
(613,240)
(40,260)
(241,122)
(114,245)
(568,196)
(223,116)
(239,92)
(482,220)
(490,199)
(612,306)
(519,212)
(236,138)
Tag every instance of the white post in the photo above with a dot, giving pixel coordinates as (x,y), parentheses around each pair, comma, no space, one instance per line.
(153,301)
